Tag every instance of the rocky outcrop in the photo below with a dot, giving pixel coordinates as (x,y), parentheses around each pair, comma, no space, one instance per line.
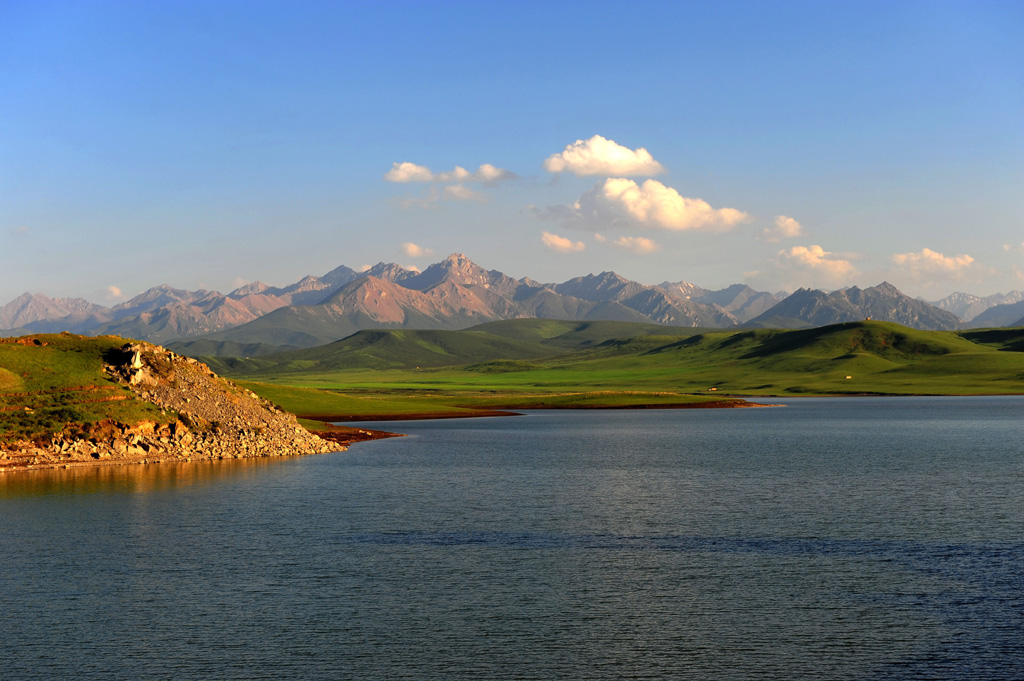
(208,417)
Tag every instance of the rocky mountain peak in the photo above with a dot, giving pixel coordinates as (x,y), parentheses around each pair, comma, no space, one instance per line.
(885,288)
(456,268)
(683,289)
(390,271)
(250,289)
(340,276)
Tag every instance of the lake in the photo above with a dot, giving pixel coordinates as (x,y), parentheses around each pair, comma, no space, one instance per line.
(841,538)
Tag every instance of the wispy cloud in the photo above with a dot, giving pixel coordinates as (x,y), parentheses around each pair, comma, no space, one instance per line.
(561,244)
(460,192)
(453,184)
(410,172)
(1018,248)
(634,244)
(929,263)
(784,228)
(411,250)
(600,156)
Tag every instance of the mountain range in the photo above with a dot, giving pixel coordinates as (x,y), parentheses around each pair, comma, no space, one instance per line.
(456,293)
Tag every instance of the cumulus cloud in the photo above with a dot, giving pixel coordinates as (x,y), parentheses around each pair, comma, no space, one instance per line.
(1014,248)
(561,244)
(114,293)
(489,174)
(408,172)
(785,228)
(622,203)
(600,156)
(411,172)
(633,244)
(816,259)
(412,250)
(929,262)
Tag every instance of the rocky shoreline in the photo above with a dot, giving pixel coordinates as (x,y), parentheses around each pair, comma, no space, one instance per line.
(208,418)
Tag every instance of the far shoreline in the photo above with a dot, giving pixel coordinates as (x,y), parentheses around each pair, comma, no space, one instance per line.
(737,403)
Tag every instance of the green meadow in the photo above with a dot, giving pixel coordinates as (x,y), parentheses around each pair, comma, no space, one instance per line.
(550,364)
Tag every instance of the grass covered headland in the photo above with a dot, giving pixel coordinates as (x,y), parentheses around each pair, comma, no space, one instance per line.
(70,400)
(532,363)
(50,381)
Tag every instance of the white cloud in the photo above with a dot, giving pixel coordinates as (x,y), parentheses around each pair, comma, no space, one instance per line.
(488,174)
(1015,249)
(364,268)
(411,172)
(408,172)
(459,174)
(816,259)
(411,250)
(633,244)
(561,244)
(600,156)
(785,228)
(929,262)
(619,202)
(114,293)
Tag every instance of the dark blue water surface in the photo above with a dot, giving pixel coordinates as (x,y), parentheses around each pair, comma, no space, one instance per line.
(844,538)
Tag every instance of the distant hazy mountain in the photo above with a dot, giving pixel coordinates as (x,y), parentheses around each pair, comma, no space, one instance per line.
(452,294)
(1000,315)
(43,314)
(741,301)
(967,306)
(653,302)
(807,308)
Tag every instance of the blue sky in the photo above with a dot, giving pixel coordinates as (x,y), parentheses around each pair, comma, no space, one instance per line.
(207,144)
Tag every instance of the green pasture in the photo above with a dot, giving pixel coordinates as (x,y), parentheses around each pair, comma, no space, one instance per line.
(553,364)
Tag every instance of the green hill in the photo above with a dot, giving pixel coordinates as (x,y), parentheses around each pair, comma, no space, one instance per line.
(503,341)
(542,363)
(578,335)
(391,349)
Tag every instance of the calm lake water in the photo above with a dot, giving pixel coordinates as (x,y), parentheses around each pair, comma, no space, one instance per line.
(844,538)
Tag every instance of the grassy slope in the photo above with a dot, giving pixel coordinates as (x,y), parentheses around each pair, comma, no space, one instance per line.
(45,388)
(390,349)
